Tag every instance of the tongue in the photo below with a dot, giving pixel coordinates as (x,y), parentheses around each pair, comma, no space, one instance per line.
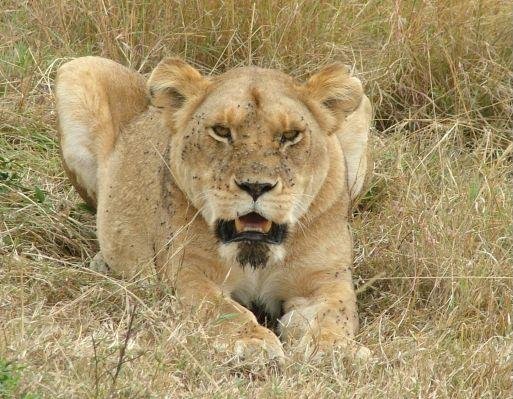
(252,222)
(253,218)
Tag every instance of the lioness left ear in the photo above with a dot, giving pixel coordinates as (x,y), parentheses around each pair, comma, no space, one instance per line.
(174,82)
(335,89)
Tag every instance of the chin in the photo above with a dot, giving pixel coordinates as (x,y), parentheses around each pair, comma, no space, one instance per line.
(251,240)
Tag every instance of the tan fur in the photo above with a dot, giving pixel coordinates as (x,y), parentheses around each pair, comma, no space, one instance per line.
(166,179)
(99,96)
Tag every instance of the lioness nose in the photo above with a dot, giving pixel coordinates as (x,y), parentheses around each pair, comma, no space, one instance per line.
(255,189)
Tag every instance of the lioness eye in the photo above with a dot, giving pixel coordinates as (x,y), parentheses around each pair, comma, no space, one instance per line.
(222,132)
(290,136)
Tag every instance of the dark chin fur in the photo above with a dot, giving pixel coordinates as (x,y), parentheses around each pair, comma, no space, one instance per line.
(254,254)
(252,247)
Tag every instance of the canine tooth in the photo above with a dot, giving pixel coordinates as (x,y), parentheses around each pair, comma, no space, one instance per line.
(267,226)
(238,225)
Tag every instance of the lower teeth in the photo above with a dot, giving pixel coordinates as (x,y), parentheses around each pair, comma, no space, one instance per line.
(240,227)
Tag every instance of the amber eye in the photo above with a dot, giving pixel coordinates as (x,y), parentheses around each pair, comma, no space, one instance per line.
(221,133)
(290,137)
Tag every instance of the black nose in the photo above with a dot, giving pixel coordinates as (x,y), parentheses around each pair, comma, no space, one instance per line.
(255,189)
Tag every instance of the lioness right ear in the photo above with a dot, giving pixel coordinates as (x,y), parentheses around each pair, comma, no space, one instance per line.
(174,82)
(335,90)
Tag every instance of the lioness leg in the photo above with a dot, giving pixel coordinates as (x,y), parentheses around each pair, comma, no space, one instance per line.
(324,320)
(235,328)
(95,98)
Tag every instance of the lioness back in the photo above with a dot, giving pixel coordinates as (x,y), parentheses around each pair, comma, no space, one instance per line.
(96,98)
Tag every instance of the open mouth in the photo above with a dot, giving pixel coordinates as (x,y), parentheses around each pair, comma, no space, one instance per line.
(251,227)
(252,222)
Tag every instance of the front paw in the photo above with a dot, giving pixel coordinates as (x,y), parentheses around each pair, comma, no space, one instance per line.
(258,351)
(260,347)
(315,347)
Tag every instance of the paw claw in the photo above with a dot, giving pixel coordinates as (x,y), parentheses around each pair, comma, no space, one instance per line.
(362,354)
(99,265)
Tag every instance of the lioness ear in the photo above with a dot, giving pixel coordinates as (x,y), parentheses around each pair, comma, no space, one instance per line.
(174,82)
(336,90)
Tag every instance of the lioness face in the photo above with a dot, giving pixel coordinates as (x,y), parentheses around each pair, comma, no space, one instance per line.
(249,149)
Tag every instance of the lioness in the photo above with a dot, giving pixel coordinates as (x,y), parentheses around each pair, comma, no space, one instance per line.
(235,189)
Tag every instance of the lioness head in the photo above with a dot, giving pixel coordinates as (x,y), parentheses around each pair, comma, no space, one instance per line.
(249,147)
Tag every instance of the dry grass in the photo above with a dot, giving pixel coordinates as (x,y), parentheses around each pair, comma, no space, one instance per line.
(433,234)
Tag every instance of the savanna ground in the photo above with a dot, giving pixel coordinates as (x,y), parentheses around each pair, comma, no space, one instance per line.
(433,233)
